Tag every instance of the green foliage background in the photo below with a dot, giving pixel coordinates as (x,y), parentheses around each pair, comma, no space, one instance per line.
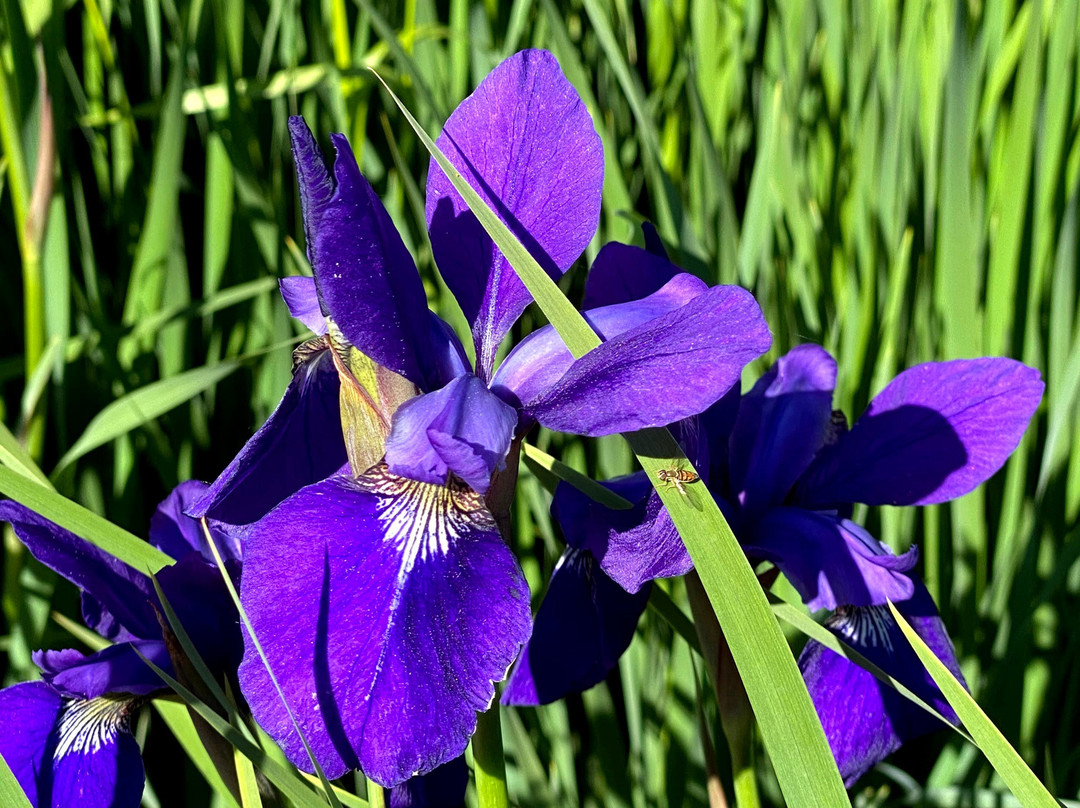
(898,182)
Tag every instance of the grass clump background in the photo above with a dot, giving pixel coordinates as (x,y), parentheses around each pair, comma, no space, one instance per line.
(899,183)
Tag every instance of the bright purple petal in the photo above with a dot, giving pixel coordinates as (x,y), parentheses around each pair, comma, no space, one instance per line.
(526,143)
(29,712)
(865,720)
(934,433)
(832,562)
(463,428)
(386,608)
(115,669)
(67,752)
(583,626)
(622,272)
(670,368)
(540,360)
(442,788)
(122,595)
(174,532)
(300,443)
(367,279)
(298,292)
(781,425)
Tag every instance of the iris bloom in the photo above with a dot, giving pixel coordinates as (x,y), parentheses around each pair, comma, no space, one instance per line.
(787,472)
(384,595)
(67,738)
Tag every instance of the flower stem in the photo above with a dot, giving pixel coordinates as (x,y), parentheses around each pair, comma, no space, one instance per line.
(376,795)
(490,767)
(746,793)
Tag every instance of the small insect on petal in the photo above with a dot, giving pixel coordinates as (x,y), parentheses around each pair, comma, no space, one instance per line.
(677,478)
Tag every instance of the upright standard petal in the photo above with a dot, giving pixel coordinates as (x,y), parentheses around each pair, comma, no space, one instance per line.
(622,272)
(300,443)
(463,428)
(174,532)
(386,607)
(300,295)
(313,178)
(584,624)
(832,562)
(667,369)
(68,752)
(122,596)
(526,143)
(934,433)
(367,280)
(781,425)
(865,720)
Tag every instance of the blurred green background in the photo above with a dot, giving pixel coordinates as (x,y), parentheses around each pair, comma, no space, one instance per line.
(898,182)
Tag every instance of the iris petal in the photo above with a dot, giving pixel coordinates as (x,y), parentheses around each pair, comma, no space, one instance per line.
(525,142)
(865,720)
(933,434)
(832,562)
(622,272)
(115,669)
(386,608)
(442,788)
(584,624)
(300,296)
(174,532)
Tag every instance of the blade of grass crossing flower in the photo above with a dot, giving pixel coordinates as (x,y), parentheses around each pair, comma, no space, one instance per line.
(11,794)
(100,532)
(793,735)
(575,332)
(14,455)
(583,483)
(327,789)
(289,782)
(1005,760)
(249,786)
(145,404)
(178,720)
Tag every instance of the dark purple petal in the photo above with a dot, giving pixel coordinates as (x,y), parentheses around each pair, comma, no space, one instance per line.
(67,752)
(717,423)
(97,763)
(583,626)
(316,186)
(633,546)
(114,669)
(118,589)
(670,368)
(386,608)
(298,292)
(29,712)
(865,720)
(300,443)
(622,272)
(526,143)
(832,562)
(463,428)
(442,788)
(174,532)
(540,360)
(934,433)
(367,279)
(781,425)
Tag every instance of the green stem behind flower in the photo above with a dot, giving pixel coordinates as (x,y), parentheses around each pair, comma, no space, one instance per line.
(488,762)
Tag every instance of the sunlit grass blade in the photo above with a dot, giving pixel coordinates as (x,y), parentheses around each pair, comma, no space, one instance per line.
(177,718)
(114,540)
(11,794)
(790,727)
(1005,760)
(143,405)
(14,455)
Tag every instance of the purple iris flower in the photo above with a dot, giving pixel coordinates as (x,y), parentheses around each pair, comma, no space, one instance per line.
(383,594)
(786,471)
(68,737)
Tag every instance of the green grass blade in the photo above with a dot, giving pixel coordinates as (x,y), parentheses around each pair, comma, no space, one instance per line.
(1005,760)
(538,459)
(143,405)
(114,540)
(11,794)
(179,722)
(14,454)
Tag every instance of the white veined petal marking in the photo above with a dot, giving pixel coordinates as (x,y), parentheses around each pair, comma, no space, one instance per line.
(424,519)
(868,626)
(86,725)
